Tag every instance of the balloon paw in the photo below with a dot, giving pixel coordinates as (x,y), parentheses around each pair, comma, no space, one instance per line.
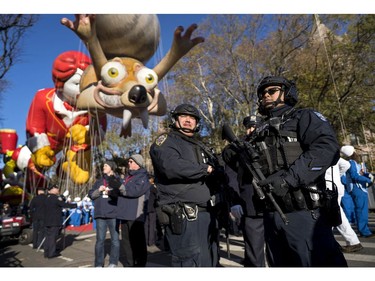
(75,169)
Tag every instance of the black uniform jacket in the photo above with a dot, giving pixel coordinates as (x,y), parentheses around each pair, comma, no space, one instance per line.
(54,205)
(37,207)
(180,170)
(320,148)
(242,191)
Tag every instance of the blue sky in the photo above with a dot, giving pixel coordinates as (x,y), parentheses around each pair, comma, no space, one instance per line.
(43,43)
(49,38)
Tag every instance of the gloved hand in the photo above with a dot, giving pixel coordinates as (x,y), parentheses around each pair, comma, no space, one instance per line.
(279,186)
(114,187)
(44,157)
(236,211)
(79,134)
(114,182)
(370,185)
(229,155)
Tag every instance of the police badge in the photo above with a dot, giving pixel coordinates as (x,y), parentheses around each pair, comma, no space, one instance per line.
(159,141)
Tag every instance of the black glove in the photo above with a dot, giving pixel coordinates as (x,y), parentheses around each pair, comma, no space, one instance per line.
(229,155)
(279,186)
(114,182)
(370,185)
(114,185)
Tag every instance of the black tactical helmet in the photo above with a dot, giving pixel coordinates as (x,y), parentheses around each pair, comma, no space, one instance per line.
(186,109)
(288,86)
(250,121)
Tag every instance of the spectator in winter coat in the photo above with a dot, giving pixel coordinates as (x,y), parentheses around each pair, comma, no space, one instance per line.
(104,195)
(132,203)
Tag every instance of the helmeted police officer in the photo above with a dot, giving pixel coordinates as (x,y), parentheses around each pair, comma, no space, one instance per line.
(296,147)
(245,204)
(181,168)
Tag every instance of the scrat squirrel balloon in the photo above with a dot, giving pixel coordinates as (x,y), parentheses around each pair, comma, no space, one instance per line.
(53,123)
(118,83)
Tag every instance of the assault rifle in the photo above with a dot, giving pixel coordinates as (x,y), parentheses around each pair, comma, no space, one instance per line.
(249,160)
(216,182)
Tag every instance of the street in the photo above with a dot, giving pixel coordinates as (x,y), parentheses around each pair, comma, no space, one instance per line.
(78,252)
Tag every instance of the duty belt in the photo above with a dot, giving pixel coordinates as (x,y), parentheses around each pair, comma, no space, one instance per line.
(200,208)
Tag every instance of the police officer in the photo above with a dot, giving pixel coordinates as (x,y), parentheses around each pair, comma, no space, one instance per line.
(296,146)
(181,168)
(54,204)
(37,212)
(246,205)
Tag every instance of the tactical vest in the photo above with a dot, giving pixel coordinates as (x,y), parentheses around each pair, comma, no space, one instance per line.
(278,149)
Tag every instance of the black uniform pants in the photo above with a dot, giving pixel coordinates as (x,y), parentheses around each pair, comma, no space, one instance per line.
(50,243)
(307,241)
(197,245)
(38,233)
(253,234)
(133,243)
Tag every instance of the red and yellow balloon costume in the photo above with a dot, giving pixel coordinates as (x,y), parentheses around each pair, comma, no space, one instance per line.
(53,123)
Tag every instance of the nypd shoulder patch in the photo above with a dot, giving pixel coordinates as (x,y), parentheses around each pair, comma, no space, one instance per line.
(159,141)
(320,116)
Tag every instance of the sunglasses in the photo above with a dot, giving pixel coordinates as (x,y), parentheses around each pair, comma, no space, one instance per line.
(271,91)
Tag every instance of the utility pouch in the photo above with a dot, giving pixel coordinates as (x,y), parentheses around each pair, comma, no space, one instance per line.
(331,207)
(162,215)
(314,197)
(177,219)
(288,204)
(190,212)
(299,199)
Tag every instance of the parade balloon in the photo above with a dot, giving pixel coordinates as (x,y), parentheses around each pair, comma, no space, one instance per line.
(118,83)
(13,195)
(135,36)
(8,140)
(54,124)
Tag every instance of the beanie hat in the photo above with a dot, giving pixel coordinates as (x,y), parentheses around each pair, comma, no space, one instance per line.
(52,186)
(347,150)
(41,188)
(111,164)
(137,159)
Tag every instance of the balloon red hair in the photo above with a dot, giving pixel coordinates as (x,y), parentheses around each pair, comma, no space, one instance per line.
(66,64)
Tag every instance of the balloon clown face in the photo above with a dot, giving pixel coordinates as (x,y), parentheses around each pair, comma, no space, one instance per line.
(53,121)
(67,71)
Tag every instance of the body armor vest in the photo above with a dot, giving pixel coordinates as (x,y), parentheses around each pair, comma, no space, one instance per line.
(278,149)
